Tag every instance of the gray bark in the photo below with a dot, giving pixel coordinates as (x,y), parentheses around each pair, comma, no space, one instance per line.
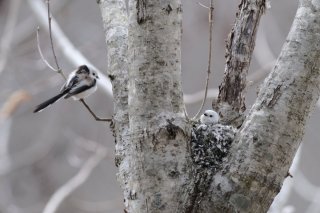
(270,136)
(239,48)
(115,20)
(156,160)
(157,170)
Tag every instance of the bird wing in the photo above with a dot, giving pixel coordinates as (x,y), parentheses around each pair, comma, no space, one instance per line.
(70,83)
(79,88)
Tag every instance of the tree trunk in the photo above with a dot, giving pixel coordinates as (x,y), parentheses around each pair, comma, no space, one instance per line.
(154,152)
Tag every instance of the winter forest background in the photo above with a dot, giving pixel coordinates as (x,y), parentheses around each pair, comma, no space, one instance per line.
(39,153)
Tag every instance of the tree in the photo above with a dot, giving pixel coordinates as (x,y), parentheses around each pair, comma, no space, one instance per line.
(153,134)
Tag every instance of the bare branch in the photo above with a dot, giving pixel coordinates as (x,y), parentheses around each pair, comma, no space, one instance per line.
(93,114)
(50,35)
(239,49)
(80,178)
(209,59)
(42,56)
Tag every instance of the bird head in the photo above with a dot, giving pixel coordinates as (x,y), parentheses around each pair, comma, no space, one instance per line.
(209,117)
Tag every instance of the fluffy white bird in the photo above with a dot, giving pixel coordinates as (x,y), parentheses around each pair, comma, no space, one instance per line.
(80,83)
(209,117)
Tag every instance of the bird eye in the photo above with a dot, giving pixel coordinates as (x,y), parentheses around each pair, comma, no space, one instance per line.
(205,114)
(211,115)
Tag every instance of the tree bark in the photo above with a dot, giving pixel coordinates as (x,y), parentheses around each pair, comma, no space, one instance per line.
(266,144)
(115,20)
(157,170)
(152,158)
(156,160)
(239,49)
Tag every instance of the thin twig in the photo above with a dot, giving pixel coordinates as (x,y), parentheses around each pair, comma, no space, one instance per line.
(59,70)
(94,115)
(50,35)
(41,54)
(209,59)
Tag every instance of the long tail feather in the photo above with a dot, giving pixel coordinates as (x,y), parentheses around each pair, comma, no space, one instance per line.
(48,102)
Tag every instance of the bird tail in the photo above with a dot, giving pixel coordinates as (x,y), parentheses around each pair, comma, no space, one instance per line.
(48,102)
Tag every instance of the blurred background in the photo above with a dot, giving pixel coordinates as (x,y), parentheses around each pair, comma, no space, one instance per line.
(42,153)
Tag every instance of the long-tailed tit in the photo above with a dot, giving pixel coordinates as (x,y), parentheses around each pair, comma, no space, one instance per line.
(209,117)
(80,83)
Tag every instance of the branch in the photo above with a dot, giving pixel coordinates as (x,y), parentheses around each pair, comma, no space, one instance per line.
(240,45)
(92,113)
(209,59)
(50,35)
(42,56)
(64,191)
(270,136)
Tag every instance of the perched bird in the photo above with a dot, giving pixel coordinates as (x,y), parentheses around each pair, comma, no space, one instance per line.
(80,83)
(209,117)
(211,141)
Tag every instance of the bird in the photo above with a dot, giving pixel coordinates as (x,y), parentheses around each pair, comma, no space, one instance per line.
(209,117)
(80,83)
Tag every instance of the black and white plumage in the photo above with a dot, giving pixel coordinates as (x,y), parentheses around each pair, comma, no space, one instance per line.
(211,142)
(81,83)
